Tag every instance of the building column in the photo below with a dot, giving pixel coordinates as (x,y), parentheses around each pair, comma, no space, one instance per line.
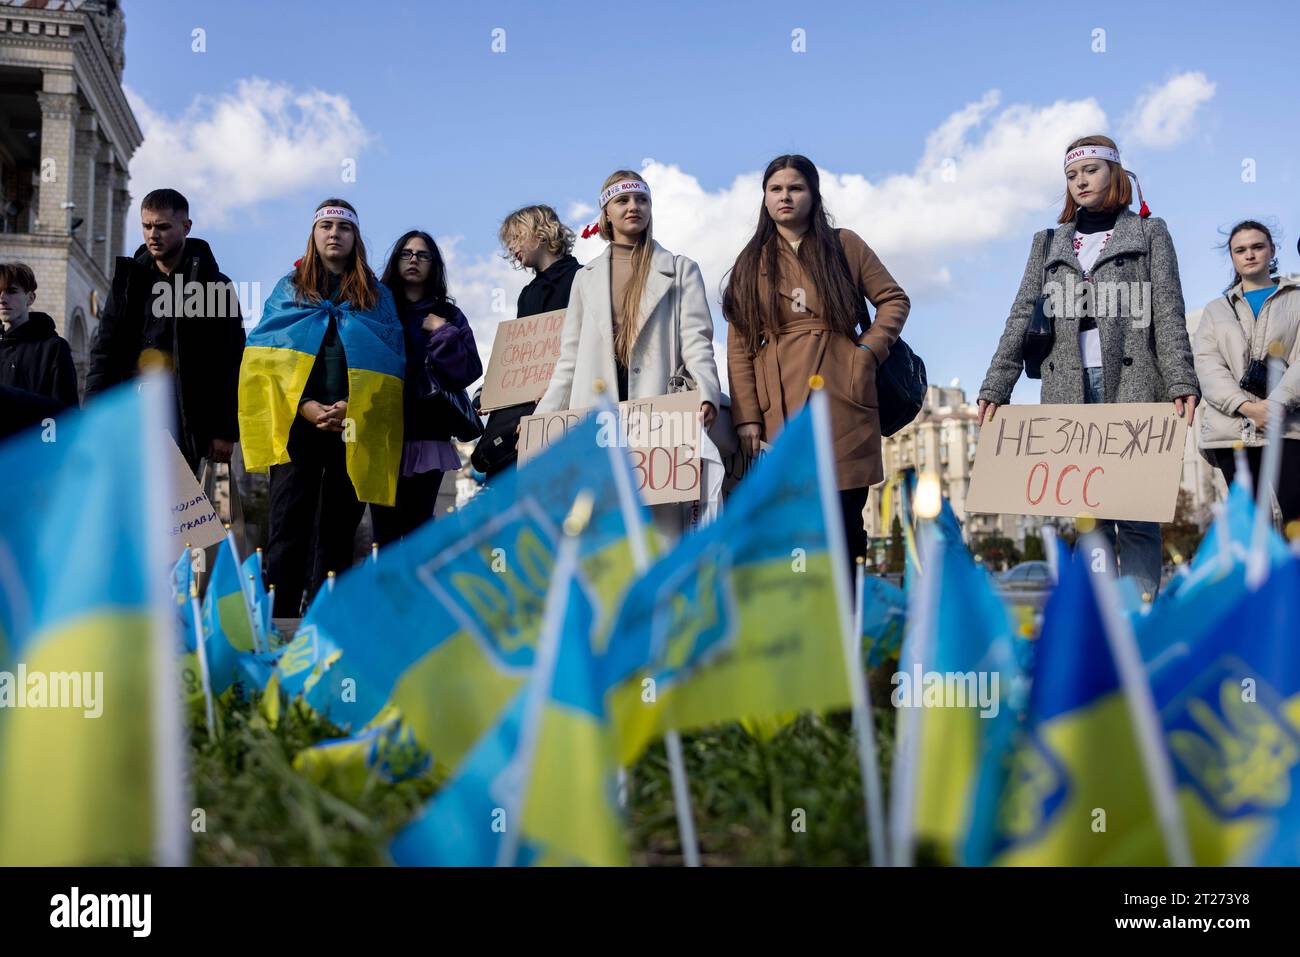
(102,240)
(59,114)
(121,206)
(83,186)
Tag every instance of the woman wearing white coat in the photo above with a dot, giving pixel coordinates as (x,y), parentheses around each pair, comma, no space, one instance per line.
(637,314)
(637,318)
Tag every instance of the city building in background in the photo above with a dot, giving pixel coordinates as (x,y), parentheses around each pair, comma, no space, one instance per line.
(65,145)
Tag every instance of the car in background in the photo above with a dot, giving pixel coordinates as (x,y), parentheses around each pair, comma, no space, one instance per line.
(1027,576)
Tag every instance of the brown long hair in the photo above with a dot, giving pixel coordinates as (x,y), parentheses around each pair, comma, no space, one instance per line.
(625,334)
(358,285)
(1119,195)
(841,300)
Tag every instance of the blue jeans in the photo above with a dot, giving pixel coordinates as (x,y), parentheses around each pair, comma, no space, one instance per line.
(1135,545)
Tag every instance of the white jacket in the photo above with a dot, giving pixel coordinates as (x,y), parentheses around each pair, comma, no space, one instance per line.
(674,297)
(1228,335)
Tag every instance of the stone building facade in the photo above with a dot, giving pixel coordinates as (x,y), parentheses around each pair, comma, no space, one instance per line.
(66,140)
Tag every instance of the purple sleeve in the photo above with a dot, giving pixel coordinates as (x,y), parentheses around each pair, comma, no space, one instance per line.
(452,354)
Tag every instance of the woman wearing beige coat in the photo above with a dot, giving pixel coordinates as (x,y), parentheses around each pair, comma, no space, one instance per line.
(1258,310)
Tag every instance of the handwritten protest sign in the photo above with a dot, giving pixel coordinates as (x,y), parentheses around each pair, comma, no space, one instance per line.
(1117,461)
(191,519)
(661,434)
(523,355)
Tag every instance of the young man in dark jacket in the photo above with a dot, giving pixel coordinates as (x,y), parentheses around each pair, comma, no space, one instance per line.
(172,299)
(33,356)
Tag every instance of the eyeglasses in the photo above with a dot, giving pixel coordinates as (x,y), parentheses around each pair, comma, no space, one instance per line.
(419,256)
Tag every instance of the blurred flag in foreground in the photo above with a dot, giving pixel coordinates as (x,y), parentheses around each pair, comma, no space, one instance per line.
(541,787)
(742,619)
(459,603)
(1080,782)
(90,724)
(1230,711)
(956,696)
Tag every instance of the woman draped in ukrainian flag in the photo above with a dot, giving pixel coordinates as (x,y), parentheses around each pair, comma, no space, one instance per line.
(320,404)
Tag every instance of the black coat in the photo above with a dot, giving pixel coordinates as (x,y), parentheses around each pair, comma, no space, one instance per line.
(549,290)
(35,358)
(21,410)
(206,349)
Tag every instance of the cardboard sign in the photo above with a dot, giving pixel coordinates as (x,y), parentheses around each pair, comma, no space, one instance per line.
(661,435)
(1116,461)
(191,519)
(523,355)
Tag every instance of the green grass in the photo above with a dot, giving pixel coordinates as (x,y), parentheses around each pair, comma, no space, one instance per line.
(789,796)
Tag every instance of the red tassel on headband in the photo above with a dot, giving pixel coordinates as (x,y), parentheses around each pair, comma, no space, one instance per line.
(1144,212)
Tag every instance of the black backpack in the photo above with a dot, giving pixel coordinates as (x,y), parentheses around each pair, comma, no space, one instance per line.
(900,381)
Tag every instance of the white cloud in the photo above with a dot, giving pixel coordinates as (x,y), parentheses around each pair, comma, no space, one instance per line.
(1163,117)
(236,150)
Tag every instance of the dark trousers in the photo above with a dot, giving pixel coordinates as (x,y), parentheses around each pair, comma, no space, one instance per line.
(417,497)
(852,502)
(1288,483)
(312,500)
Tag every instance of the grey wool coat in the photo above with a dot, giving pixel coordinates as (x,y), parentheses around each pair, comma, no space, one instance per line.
(1146,353)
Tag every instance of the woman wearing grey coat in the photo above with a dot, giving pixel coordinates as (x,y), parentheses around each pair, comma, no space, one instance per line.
(1131,346)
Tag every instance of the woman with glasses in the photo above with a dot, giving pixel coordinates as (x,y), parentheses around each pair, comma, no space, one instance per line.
(440,349)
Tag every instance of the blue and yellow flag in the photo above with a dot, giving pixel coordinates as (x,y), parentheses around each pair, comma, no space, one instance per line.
(1076,791)
(1215,581)
(385,751)
(884,616)
(90,724)
(541,787)
(459,603)
(182,580)
(957,695)
(1229,706)
(227,632)
(278,360)
(259,601)
(742,619)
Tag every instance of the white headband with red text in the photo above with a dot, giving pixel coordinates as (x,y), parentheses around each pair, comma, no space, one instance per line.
(624,186)
(1092,152)
(336,212)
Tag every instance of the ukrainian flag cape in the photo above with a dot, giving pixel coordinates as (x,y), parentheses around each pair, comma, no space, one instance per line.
(278,358)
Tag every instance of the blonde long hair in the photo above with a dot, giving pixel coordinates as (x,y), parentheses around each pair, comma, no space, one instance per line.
(625,335)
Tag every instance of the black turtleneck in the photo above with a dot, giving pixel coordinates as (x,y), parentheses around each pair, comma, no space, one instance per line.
(1087,221)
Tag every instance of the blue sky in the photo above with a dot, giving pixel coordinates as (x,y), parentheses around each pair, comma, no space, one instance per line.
(448,135)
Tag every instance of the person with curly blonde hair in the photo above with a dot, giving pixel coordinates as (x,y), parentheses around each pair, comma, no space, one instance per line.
(534,238)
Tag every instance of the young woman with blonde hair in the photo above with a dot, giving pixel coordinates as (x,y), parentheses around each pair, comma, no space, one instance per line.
(637,313)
